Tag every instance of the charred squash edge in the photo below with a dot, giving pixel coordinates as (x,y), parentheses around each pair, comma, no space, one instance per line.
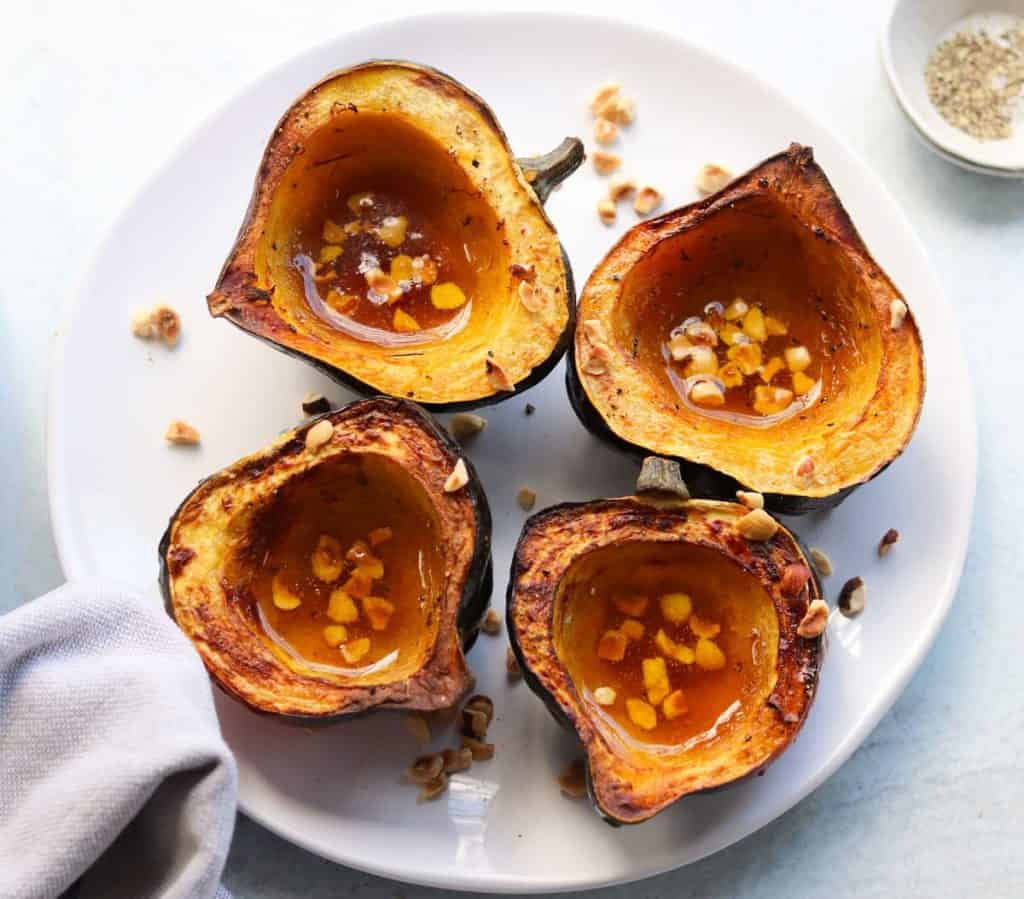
(804,657)
(542,174)
(476,593)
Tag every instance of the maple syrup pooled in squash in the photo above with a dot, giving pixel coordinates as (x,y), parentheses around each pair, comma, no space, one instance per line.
(671,644)
(385,257)
(349,569)
(735,327)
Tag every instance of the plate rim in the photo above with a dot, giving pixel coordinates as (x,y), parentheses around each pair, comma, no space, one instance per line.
(75,566)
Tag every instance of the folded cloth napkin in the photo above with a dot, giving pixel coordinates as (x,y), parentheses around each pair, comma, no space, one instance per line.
(114,778)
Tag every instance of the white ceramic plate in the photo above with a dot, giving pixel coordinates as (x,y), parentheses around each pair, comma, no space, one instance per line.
(503,826)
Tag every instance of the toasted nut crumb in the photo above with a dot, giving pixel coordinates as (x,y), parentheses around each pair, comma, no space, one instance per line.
(648,199)
(491,624)
(598,357)
(573,780)
(530,296)
(526,498)
(181,433)
(159,321)
(603,94)
(821,561)
(604,162)
(319,434)
(620,188)
(417,725)
(712,178)
(456,760)
(605,696)
(433,789)
(480,703)
(425,769)
(315,404)
(498,378)
(853,597)
(757,525)
(465,425)
(750,499)
(458,478)
(618,109)
(606,211)
(814,620)
(512,668)
(481,750)
(794,579)
(605,131)
(888,541)
(474,723)
(897,314)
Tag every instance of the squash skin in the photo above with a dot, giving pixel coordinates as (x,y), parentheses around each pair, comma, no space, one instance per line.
(236,656)
(623,790)
(798,184)
(245,291)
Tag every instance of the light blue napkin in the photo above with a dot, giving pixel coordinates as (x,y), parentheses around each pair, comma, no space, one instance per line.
(114,778)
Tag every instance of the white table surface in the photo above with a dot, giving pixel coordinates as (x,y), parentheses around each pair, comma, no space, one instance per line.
(94,96)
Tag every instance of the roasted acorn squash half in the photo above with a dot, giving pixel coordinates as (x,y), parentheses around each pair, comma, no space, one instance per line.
(752,337)
(340,569)
(394,242)
(669,641)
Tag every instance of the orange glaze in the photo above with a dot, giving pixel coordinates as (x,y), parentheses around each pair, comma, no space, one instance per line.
(347,500)
(377,215)
(720,593)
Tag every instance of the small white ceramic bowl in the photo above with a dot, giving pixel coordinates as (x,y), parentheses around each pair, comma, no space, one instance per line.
(911,33)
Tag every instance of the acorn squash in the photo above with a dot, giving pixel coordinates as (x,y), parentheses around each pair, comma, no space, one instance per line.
(344,567)
(394,242)
(668,638)
(752,337)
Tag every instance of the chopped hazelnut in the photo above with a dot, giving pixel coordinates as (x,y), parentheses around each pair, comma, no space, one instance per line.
(481,750)
(603,94)
(853,597)
(888,541)
(512,665)
(465,425)
(605,696)
(526,498)
(814,620)
(712,178)
(159,321)
(621,187)
(605,131)
(530,296)
(491,625)
(821,561)
(648,199)
(750,499)
(757,525)
(497,376)
(897,314)
(606,211)
(181,433)
(604,162)
(458,478)
(433,789)
(319,434)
